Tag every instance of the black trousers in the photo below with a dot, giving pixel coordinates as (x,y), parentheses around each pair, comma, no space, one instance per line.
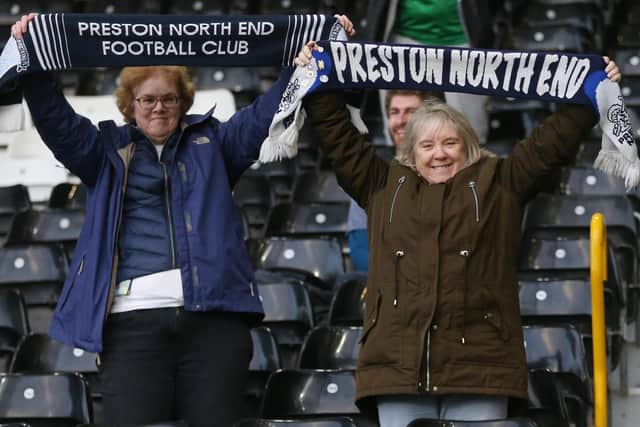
(166,364)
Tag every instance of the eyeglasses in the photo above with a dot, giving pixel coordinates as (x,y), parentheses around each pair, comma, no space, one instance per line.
(149,101)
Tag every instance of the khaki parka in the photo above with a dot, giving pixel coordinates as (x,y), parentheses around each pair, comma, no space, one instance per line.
(441,308)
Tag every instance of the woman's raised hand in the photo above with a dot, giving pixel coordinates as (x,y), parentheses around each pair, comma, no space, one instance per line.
(612,70)
(22,26)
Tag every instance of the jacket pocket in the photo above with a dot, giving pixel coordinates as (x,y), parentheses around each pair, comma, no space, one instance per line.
(371,317)
(66,291)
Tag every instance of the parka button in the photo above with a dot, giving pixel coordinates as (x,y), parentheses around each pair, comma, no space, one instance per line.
(399,254)
(434,388)
(434,326)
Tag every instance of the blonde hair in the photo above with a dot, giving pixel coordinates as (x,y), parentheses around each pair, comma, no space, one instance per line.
(432,115)
(130,77)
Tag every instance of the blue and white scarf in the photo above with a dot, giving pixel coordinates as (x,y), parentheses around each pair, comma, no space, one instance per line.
(65,41)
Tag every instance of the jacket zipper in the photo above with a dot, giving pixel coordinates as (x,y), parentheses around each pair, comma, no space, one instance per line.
(166,196)
(399,254)
(476,203)
(401,181)
(117,237)
(427,361)
(465,253)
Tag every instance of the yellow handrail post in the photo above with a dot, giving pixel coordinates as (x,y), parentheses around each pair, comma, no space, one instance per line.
(598,252)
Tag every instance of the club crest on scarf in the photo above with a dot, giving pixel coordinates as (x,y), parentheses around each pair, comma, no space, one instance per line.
(621,122)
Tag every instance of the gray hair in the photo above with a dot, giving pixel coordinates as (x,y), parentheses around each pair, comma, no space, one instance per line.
(434,114)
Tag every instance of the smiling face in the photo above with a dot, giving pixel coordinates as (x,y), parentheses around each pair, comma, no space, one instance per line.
(401,106)
(439,151)
(157,121)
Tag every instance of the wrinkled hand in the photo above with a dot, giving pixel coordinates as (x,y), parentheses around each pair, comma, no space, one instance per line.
(304,56)
(346,24)
(612,70)
(22,26)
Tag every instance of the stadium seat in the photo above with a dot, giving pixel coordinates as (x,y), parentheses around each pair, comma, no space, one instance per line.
(322,257)
(45,400)
(279,7)
(546,299)
(265,360)
(320,187)
(500,147)
(11,10)
(288,314)
(243,82)
(561,393)
(309,219)
(590,182)
(38,272)
(200,7)
(96,108)
(347,303)
(281,176)
(629,61)
(557,348)
(514,118)
(253,195)
(53,226)
(553,38)
(310,422)
(14,325)
(516,422)
(331,347)
(13,199)
(68,196)
(310,393)
(221,99)
(630,88)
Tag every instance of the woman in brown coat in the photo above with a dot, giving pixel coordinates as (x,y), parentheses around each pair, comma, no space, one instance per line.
(442,334)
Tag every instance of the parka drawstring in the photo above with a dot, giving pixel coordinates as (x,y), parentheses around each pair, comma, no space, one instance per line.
(476,203)
(399,254)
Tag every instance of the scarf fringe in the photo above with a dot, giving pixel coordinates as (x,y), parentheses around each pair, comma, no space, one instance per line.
(612,162)
(279,146)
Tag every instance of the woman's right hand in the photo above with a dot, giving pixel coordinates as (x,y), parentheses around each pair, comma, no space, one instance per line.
(22,26)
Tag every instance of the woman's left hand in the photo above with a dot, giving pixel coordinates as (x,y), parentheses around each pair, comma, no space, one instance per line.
(612,70)
(346,24)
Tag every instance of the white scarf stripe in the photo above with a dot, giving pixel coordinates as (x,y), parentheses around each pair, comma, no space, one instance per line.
(59,41)
(319,32)
(287,41)
(66,40)
(48,53)
(35,36)
(54,44)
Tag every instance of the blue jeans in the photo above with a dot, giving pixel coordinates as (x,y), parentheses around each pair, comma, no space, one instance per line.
(399,411)
(168,363)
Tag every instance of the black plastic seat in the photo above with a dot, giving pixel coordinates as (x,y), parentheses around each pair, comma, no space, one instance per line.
(591,182)
(500,147)
(68,196)
(288,314)
(629,61)
(281,176)
(514,118)
(279,7)
(561,393)
(553,38)
(265,360)
(38,272)
(321,257)
(252,193)
(557,348)
(331,347)
(51,400)
(11,10)
(347,304)
(309,422)
(630,89)
(14,325)
(556,298)
(13,199)
(309,219)
(52,226)
(628,35)
(514,422)
(321,187)
(200,7)
(309,393)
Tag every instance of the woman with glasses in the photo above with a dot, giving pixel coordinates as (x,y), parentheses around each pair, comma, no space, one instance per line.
(160,284)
